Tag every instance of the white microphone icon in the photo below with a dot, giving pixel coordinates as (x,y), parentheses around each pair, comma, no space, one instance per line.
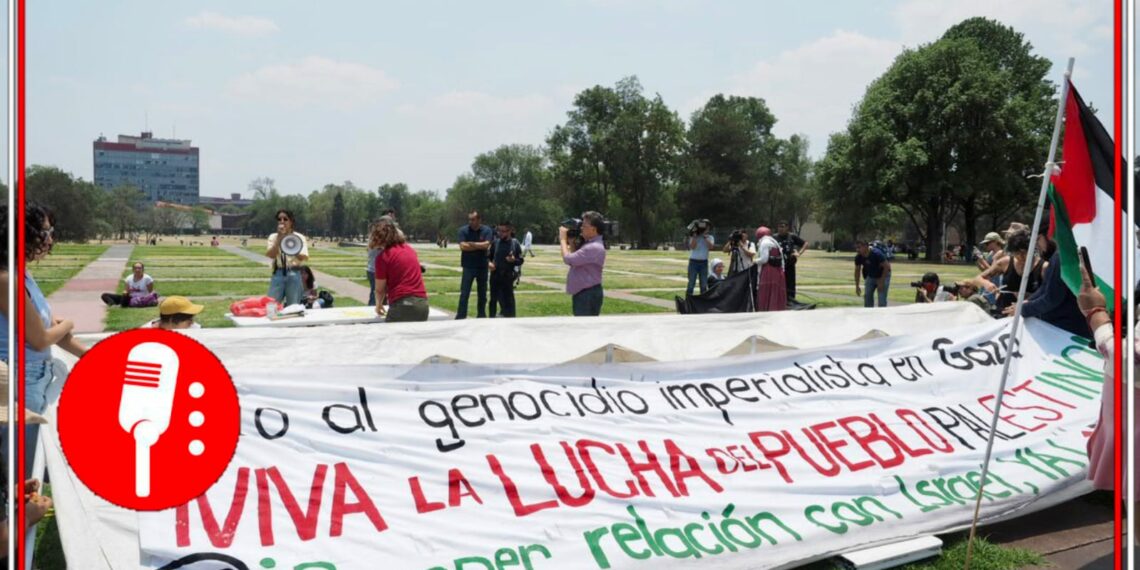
(147,401)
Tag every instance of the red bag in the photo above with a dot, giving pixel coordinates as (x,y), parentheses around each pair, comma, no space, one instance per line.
(251,307)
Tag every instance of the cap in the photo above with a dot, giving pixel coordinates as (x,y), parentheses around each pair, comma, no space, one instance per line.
(717,261)
(1015,227)
(993,236)
(177,304)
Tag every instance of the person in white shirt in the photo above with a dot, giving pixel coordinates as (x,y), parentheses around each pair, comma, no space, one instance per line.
(175,313)
(528,241)
(285,285)
(742,254)
(139,290)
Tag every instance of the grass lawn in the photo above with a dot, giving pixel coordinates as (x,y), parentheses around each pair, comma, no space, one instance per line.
(66,260)
(545,305)
(986,556)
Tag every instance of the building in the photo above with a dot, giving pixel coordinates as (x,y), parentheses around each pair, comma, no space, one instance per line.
(216,203)
(164,169)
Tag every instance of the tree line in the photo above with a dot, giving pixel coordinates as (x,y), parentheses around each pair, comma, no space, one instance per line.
(946,136)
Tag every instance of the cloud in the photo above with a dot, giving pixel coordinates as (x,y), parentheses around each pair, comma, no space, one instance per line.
(1070,26)
(314,81)
(812,89)
(240,25)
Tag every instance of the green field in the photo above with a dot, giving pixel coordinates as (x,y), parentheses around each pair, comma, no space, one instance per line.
(216,278)
(65,261)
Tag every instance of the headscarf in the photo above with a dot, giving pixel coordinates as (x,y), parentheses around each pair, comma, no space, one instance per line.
(715,262)
(763,231)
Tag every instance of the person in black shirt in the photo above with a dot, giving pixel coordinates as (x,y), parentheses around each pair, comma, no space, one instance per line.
(506,255)
(876,274)
(474,241)
(792,246)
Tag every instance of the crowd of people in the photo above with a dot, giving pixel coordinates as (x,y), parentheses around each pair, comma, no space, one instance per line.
(776,254)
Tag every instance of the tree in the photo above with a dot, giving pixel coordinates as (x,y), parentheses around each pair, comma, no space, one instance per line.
(394,196)
(338,215)
(843,201)
(77,204)
(200,220)
(619,151)
(729,161)
(123,209)
(948,125)
(1004,114)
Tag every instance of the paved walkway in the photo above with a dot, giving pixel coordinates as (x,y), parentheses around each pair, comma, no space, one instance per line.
(339,285)
(78,299)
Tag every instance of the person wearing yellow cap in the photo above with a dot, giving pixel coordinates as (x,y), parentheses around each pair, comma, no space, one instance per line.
(175,312)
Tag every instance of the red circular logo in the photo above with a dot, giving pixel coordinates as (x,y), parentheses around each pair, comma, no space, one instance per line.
(149,419)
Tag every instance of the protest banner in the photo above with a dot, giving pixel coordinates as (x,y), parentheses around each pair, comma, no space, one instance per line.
(738,462)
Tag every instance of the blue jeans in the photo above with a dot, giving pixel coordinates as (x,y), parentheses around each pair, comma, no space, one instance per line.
(371,288)
(588,302)
(698,273)
(479,275)
(871,286)
(286,286)
(39,376)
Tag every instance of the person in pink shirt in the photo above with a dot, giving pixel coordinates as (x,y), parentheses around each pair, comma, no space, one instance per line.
(584,280)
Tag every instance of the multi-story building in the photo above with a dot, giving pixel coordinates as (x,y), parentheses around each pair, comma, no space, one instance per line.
(216,202)
(164,169)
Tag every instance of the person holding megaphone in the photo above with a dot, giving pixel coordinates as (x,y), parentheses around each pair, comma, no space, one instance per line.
(289,250)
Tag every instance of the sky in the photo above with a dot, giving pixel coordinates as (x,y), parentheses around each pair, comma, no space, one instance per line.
(376,93)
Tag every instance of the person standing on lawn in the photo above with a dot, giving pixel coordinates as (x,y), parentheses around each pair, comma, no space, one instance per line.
(792,246)
(398,275)
(474,241)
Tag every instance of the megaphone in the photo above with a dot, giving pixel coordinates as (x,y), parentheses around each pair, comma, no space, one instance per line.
(292,244)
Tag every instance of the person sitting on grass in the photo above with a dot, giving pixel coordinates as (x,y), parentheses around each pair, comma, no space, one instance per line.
(310,295)
(139,293)
(175,313)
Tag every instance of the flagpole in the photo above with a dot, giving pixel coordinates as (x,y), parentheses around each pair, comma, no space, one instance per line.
(1050,166)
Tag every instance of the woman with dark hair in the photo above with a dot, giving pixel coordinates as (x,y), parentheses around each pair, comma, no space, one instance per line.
(398,274)
(285,285)
(42,330)
(1018,248)
(310,295)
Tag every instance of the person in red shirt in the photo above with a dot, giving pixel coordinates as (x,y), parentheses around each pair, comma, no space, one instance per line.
(398,274)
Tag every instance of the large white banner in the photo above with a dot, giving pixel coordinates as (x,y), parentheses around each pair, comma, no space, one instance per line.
(741,462)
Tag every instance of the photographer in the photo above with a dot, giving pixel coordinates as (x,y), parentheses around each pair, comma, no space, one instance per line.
(584,280)
(700,242)
(793,246)
(930,290)
(742,254)
(285,285)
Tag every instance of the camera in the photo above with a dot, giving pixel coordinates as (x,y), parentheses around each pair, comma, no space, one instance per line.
(916,284)
(951,289)
(738,237)
(698,226)
(573,227)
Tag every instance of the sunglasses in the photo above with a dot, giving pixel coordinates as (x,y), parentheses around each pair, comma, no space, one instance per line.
(282,219)
(47,233)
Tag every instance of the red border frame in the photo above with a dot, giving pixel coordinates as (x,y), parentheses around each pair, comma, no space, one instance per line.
(18,234)
(1118,280)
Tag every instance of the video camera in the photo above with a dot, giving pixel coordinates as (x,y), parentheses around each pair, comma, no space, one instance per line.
(574,228)
(698,226)
(737,237)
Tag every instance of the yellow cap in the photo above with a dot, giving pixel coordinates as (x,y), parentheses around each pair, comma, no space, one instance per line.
(176,304)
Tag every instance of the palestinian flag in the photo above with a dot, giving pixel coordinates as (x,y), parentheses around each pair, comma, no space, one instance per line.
(1082,198)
